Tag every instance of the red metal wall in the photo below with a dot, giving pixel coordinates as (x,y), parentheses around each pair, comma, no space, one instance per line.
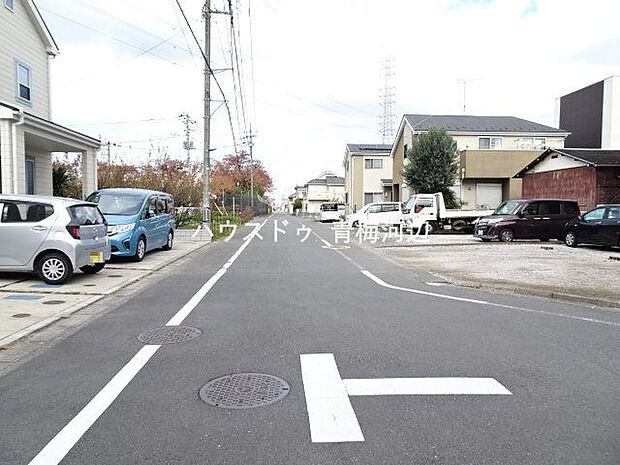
(572,184)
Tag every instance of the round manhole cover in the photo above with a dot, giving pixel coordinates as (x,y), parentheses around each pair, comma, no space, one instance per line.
(169,335)
(244,390)
(53,302)
(21,315)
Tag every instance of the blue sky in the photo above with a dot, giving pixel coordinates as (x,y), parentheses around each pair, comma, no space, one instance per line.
(128,69)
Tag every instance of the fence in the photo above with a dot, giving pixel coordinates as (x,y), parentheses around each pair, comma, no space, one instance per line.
(237,203)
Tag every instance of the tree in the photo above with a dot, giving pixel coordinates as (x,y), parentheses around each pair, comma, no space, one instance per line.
(66,178)
(433,165)
(233,174)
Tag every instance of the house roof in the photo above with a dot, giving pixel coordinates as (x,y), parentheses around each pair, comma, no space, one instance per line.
(386,182)
(328,180)
(39,22)
(369,147)
(478,124)
(593,157)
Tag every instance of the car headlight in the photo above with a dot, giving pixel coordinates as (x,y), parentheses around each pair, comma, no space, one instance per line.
(120,228)
(493,220)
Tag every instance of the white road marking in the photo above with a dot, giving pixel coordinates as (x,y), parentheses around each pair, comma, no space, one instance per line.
(424,386)
(380,282)
(63,442)
(325,242)
(330,412)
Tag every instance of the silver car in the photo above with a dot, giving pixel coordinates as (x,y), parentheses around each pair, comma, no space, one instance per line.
(52,236)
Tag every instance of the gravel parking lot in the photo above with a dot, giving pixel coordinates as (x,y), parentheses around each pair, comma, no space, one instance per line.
(588,274)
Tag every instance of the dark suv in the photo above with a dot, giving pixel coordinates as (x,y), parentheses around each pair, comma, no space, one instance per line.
(542,219)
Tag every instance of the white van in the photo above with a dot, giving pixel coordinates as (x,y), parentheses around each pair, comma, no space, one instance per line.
(377,214)
(328,212)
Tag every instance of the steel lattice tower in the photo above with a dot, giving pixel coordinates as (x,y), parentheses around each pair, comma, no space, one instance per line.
(387,102)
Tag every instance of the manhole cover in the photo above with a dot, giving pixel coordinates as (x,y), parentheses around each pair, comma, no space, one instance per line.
(244,390)
(53,302)
(21,315)
(169,335)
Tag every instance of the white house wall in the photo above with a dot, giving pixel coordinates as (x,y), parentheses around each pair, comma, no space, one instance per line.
(611,114)
(372,177)
(20,40)
(561,162)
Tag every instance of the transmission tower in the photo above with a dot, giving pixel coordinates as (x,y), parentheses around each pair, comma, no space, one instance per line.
(387,102)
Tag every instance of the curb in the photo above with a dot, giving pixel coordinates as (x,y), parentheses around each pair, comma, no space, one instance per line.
(20,334)
(528,291)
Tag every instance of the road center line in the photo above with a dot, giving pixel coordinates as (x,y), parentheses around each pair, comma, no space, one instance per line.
(63,442)
(380,282)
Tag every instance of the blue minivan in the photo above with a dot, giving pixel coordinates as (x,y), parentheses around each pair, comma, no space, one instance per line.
(139,220)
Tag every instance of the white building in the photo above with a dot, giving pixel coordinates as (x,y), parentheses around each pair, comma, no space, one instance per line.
(328,187)
(27,135)
(367,174)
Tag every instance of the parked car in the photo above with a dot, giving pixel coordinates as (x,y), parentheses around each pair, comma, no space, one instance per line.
(51,236)
(138,220)
(542,219)
(600,226)
(377,214)
(329,212)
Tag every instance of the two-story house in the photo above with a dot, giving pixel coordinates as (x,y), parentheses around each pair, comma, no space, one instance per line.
(324,188)
(491,151)
(367,174)
(27,135)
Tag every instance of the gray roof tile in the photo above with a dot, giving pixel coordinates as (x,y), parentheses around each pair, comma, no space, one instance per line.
(478,124)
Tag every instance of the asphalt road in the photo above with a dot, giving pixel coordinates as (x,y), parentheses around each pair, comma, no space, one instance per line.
(277,301)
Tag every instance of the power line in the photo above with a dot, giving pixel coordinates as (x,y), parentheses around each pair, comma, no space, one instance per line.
(252,64)
(208,65)
(239,64)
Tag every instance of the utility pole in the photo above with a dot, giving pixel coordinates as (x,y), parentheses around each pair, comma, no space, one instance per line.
(207,115)
(109,154)
(188,144)
(250,142)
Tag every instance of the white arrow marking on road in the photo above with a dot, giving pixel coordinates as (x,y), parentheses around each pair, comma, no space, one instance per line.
(330,413)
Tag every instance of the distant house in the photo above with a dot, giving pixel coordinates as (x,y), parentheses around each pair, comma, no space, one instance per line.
(590,176)
(324,188)
(27,134)
(367,174)
(592,115)
(491,150)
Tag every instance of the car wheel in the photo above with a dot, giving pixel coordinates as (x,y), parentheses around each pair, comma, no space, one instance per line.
(169,241)
(506,235)
(459,225)
(355,224)
(431,227)
(92,269)
(54,268)
(140,249)
(570,239)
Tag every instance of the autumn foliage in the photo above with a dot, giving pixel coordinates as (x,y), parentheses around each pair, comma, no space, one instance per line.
(233,175)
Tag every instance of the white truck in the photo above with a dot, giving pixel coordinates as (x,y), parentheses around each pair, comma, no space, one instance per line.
(430,209)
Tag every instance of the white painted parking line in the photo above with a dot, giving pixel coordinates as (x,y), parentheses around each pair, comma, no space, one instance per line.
(63,442)
(424,386)
(382,283)
(330,412)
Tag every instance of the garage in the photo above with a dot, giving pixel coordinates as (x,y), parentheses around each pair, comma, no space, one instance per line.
(488,195)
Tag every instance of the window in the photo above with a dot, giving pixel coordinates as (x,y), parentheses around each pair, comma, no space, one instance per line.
(85,215)
(16,212)
(370,197)
(374,209)
(571,208)
(30,179)
(23,82)
(490,143)
(549,208)
(531,208)
(613,213)
(389,207)
(532,143)
(373,164)
(594,215)
(9,4)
